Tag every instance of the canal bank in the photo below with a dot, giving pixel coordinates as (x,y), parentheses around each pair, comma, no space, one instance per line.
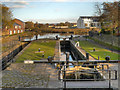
(9,56)
(47,80)
(94,84)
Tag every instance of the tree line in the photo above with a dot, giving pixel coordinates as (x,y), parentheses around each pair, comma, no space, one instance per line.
(7,17)
(109,13)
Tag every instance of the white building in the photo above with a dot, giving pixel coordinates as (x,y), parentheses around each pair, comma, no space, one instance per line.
(88,22)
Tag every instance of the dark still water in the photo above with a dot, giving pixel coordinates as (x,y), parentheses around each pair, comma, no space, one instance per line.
(65,48)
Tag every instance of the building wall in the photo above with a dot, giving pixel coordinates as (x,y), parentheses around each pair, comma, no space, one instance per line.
(18,27)
(87,22)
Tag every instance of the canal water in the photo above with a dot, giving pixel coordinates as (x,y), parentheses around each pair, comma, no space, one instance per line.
(66,49)
(51,36)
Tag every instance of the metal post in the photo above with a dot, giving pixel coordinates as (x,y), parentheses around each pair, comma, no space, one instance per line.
(109,79)
(64,77)
(102,67)
(98,57)
(107,67)
(67,59)
(115,75)
(87,56)
(59,73)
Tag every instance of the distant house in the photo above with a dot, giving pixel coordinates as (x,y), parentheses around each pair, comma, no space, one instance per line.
(88,22)
(51,25)
(18,27)
(61,27)
(74,25)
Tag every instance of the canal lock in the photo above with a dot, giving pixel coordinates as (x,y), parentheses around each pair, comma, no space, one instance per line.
(70,53)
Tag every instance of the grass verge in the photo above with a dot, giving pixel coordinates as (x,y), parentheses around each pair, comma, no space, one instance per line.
(48,46)
(101,52)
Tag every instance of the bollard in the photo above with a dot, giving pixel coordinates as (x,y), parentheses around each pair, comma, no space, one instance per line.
(98,57)
(107,58)
(93,49)
(57,37)
(50,59)
(42,55)
(39,50)
(87,56)
(71,37)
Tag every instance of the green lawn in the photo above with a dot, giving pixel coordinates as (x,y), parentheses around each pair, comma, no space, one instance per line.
(101,52)
(29,54)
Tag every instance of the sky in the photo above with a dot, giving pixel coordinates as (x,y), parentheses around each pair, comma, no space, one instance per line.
(50,11)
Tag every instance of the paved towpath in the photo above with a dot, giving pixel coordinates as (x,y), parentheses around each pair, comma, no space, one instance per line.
(20,75)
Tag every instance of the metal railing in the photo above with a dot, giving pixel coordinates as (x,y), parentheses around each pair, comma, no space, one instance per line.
(94,68)
(64,73)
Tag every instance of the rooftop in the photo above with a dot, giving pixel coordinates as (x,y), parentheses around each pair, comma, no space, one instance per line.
(89,16)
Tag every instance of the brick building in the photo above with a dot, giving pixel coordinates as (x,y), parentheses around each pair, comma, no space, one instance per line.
(18,27)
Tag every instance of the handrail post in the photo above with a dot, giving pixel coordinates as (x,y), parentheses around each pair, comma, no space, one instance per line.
(109,79)
(64,77)
(115,75)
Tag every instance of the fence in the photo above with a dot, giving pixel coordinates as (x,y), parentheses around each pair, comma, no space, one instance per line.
(63,73)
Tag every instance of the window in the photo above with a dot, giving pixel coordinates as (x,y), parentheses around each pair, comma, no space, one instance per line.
(14,31)
(15,27)
(18,31)
(20,27)
(10,32)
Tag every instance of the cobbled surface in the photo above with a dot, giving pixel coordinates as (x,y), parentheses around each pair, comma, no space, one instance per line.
(21,75)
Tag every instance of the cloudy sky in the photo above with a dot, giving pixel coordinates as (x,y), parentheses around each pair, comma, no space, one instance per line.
(51,11)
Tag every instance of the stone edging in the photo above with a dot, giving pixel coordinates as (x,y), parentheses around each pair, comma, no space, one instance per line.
(21,52)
